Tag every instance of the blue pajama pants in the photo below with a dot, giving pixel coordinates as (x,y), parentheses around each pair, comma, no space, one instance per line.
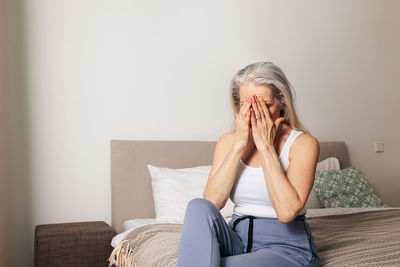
(207,240)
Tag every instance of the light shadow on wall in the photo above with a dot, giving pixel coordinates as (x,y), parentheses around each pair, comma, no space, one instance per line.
(17,91)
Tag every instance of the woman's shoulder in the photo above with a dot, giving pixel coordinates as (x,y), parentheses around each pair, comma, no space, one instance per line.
(307,138)
(305,141)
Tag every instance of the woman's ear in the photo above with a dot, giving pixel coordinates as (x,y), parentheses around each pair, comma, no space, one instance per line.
(236,113)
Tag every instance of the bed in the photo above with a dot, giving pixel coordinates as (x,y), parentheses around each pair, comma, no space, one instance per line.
(344,236)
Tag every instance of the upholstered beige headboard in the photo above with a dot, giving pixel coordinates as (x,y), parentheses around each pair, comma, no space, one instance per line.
(131,192)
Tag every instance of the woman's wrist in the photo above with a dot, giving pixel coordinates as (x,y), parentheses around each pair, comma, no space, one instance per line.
(266,149)
(238,148)
(268,153)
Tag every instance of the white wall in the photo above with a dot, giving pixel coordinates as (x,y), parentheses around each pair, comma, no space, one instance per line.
(99,70)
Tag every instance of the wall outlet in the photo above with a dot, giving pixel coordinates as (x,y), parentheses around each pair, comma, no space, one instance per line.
(379,147)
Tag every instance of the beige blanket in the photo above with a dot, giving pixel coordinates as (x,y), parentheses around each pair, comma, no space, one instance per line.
(369,238)
(149,245)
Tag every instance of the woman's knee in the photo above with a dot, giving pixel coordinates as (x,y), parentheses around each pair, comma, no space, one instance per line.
(201,205)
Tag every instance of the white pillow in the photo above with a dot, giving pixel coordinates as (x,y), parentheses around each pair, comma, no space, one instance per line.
(331,163)
(174,188)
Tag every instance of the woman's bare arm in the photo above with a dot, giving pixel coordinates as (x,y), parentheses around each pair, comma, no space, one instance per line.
(289,193)
(223,171)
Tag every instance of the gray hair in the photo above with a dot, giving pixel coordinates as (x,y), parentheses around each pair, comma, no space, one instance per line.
(267,73)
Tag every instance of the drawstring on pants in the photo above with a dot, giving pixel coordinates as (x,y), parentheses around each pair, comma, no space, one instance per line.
(250,232)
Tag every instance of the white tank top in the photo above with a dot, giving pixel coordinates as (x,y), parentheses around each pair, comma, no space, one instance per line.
(249,192)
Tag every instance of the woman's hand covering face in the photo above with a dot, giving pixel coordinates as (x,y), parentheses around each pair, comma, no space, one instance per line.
(264,129)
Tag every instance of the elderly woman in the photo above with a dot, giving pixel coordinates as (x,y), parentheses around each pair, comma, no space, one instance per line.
(266,166)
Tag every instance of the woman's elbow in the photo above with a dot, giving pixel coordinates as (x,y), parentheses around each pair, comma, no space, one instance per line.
(286,217)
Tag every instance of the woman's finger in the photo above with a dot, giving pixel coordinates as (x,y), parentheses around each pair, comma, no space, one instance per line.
(245,107)
(248,116)
(265,111)
(278,123)
(256,112)
(262,121)
(253,120)
(258,116)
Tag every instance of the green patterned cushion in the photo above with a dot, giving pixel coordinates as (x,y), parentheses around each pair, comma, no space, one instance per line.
(345,188)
